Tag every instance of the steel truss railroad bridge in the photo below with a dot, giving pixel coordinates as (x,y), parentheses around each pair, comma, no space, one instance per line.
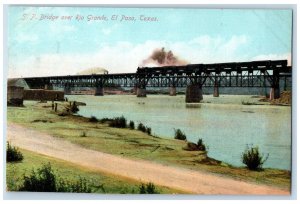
(193,76)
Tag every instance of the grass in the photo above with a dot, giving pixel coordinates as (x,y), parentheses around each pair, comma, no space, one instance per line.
(135,144)
(99,182)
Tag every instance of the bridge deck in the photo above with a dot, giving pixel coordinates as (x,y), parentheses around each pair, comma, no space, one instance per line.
(233,74)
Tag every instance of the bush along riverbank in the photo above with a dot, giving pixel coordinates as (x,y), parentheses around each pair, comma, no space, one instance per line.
(39,173)
(133,140)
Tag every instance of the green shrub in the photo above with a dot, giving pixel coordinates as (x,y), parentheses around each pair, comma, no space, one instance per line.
(118,122)
(79,186)
(131,125)
(93,119)
(148,130)
(148,189)
(83,134)
(253,159)
(103,120)
(248,103)
(13,154)
(201,145)
(44,180)
(142,127)
(179,135)
(73,107)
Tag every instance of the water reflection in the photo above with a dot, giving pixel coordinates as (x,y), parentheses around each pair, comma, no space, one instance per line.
(193,105)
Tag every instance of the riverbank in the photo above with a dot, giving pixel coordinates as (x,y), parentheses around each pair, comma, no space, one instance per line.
(225,124)
(139,170)
(134,144)
(99,182)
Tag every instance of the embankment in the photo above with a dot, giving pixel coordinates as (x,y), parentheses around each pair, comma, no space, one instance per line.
(133,144)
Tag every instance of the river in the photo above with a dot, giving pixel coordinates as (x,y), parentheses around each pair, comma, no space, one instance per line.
(225,125)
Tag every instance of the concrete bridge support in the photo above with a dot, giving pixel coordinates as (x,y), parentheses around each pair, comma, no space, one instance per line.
(172,90)
(216,91)
(193,94)
(99,91)
(274,93)
(141,92)
(67,90)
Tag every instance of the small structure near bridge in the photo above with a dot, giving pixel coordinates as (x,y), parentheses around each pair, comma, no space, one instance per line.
(15,95)
(43,95)
(18,91)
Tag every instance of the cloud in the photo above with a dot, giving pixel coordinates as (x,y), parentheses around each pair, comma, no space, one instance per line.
(61,28)
(207,49)
(108,31)
(124,57)
(285,56)
(26,38)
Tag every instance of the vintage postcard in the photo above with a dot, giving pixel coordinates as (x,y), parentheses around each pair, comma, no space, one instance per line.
(113,100)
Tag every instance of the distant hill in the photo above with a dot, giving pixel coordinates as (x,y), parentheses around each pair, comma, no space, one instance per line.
(94,70)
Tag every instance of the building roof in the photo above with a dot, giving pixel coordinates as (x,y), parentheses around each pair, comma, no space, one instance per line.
(18,83)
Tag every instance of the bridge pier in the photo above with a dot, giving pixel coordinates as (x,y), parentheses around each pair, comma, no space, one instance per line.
(141,92)
(172,90)
(274,93)
(67,90)
(193,94)
(216,91)
(99,91)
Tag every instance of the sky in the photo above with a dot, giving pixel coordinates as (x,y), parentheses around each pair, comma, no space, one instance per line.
(42,42)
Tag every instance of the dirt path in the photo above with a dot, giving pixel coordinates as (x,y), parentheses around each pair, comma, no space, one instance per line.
(178,178)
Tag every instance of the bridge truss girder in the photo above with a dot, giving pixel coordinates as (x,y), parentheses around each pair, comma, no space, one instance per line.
(246,74)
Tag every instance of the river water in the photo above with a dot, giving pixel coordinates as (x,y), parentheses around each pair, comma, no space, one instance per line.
(225,125)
